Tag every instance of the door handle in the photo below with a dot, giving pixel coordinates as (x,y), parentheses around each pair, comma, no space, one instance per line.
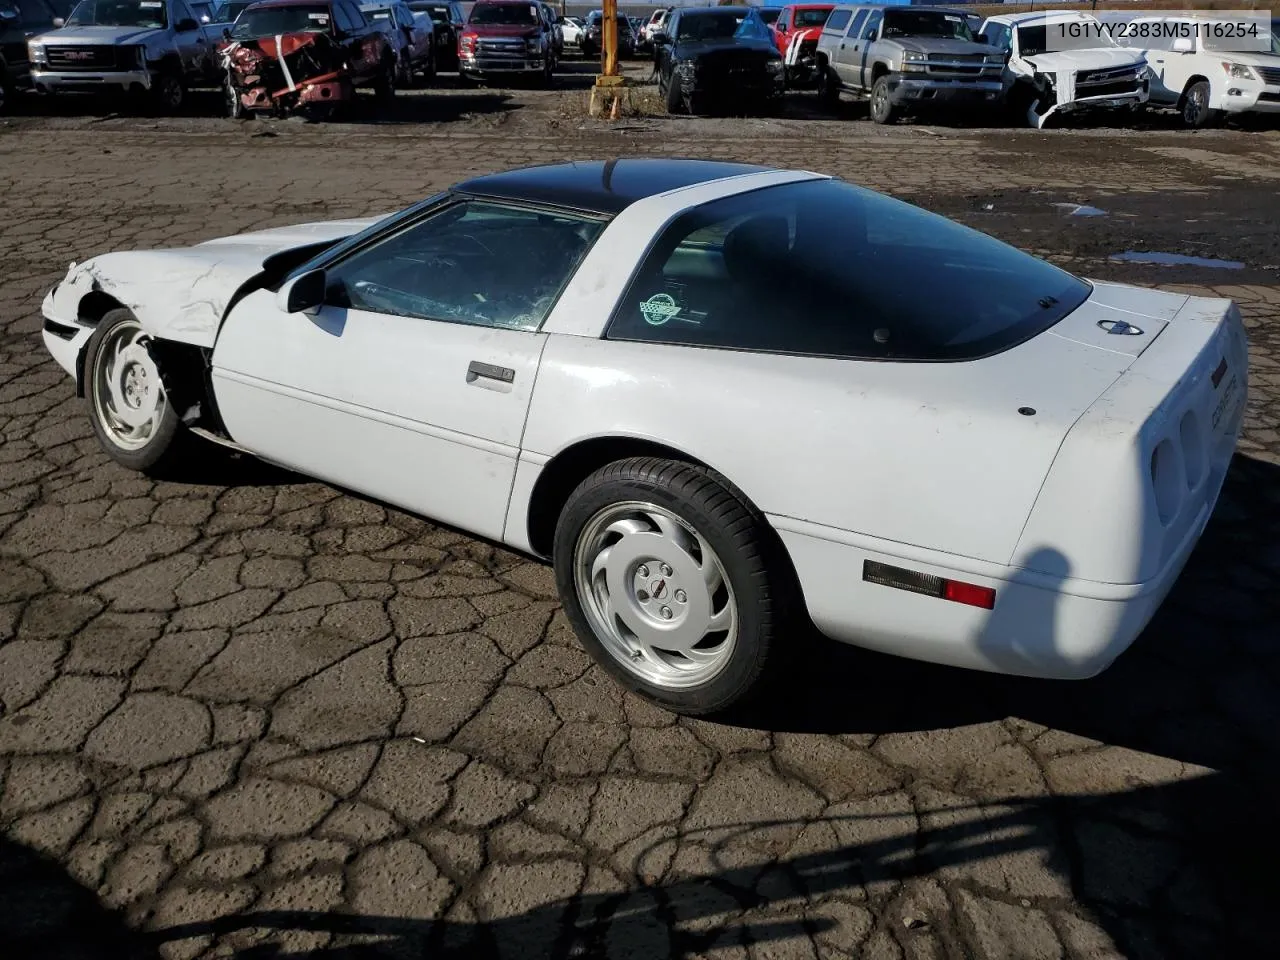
(476,370)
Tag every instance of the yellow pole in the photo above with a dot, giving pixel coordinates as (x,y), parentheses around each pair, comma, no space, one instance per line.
(609,38)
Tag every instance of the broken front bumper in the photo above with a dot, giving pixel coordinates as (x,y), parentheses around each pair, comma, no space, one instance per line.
(330,88)
(49,81)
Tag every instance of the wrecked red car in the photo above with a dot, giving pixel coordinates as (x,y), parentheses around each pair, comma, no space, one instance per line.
(796,33)
(286,56)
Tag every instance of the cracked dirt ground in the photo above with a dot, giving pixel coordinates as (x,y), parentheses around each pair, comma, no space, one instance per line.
(245,714)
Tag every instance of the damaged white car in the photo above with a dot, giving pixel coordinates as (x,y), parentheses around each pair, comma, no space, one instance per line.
(1065,61)
(1005,468)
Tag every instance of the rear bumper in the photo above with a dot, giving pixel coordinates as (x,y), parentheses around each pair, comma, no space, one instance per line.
(1043,625)
(50,80)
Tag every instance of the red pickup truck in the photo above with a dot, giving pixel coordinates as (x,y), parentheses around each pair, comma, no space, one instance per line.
(796,33)
(508,36)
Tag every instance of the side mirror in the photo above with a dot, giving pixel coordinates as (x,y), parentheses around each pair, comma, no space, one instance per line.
(303,294)
(226,33)
(59,22)
(1183,45)
(186,25)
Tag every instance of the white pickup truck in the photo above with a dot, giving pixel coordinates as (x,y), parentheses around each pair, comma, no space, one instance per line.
(156,47)
(1205,76)
(1064,61)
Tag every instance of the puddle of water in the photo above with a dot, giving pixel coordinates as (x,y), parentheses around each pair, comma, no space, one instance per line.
(1176,260)
(1080,210)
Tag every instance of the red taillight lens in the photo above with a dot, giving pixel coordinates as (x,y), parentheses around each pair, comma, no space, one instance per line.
(957,591)
(970,593)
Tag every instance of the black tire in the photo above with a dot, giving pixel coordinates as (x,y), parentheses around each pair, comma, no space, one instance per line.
(674,97)
(384,88)
(167,441)
(547,77)
(169,93)
(758,580)
(404,71)
(1194,108)
(882,108)
(828,86)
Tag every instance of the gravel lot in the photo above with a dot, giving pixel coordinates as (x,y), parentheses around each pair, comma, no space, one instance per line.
(246,714)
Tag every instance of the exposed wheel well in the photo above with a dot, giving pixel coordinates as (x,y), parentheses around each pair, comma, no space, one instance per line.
(570,467)
(878,71)
(94,305)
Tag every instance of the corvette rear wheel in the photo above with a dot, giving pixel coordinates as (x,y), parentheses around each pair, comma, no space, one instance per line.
(130,410)
(663,569)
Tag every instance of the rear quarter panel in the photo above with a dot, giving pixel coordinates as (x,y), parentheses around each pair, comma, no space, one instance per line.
(931,454)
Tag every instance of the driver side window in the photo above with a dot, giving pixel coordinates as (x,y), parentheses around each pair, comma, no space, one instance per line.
(473,262)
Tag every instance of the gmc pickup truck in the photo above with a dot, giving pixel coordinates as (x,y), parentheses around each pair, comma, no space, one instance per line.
(906,57)
(155,48)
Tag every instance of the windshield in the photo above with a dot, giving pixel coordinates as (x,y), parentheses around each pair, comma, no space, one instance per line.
(811,18)
(228,12)
(119,13)
(513,14)
(270,21)
(868,277)
(1035,39)
(710,26)
(925,23)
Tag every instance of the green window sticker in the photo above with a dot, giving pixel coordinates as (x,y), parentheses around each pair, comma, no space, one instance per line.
(658,309)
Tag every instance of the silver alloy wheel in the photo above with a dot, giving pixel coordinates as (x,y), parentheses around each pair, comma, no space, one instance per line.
(127,394)
(655,594)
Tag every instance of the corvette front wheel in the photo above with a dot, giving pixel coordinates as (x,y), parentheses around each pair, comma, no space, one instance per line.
(130,410)
(671,581)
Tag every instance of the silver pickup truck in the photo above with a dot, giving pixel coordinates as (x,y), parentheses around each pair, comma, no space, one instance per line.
(906,57)
(152,47)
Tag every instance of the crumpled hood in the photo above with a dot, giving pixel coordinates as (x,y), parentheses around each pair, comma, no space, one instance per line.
(928,45)
(1099,58)
(101,36)
(182,293)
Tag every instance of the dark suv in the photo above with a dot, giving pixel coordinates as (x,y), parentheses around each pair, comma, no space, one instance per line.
(723,55)
(20,21)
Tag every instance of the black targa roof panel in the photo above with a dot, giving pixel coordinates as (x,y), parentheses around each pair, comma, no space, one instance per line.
(600,186)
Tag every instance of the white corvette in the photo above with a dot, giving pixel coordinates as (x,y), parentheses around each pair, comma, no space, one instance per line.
(718,397)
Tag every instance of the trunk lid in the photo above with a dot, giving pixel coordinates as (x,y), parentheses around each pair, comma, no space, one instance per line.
(1121,319)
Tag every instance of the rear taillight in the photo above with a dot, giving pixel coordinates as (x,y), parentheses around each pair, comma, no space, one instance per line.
(957,591)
